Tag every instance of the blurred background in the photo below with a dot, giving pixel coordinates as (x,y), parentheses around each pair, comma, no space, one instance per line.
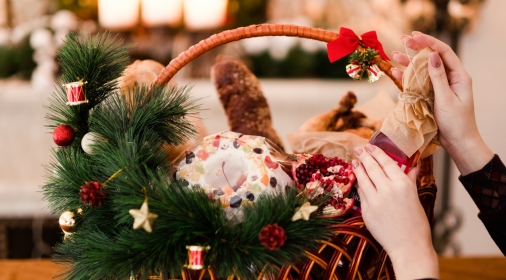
(295,74)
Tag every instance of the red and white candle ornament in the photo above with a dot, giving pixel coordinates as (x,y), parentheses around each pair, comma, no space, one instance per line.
(76,94)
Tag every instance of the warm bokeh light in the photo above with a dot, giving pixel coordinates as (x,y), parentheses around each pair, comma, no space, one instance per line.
(118,14)
(204,14)
(161,12)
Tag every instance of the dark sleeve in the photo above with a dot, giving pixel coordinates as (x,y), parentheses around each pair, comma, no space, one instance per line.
(487,188)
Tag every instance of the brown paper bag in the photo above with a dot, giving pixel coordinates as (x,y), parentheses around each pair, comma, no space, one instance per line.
(411,124)
(341,144)
(328,143)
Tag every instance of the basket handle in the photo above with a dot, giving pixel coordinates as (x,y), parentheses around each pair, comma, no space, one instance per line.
(258,30)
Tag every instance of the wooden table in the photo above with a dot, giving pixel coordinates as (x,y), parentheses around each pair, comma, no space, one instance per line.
(473,268)
(451,268)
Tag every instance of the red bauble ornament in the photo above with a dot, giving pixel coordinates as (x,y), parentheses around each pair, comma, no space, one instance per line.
(64,135)
(92,193)
(272,236)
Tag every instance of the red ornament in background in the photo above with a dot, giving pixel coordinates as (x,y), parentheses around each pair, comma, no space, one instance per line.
(75,93)
(64,135)
(272,237)
(92,193)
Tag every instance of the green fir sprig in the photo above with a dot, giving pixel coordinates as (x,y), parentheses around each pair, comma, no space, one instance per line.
(98,61)
(363,57)
(188,217)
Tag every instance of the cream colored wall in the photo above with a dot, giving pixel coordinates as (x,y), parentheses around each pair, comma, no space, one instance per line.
(482,54)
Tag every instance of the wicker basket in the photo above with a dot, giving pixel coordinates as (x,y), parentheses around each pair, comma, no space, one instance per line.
(353,254)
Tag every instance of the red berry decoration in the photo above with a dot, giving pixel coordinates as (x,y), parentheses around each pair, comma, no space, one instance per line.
(92,193)
(64,135)
(272,237)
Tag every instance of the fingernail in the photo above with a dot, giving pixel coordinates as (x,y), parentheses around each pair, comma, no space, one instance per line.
(416,33)
(354,163)
(435,60)
(395,52)
(370,148)
(358,151)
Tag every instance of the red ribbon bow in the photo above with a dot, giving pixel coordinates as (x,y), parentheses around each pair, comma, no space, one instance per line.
(347,42)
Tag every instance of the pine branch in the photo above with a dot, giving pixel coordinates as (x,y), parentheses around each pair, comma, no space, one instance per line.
(162,110)
(99,61)
(66,174)
(188,217)
(363,56)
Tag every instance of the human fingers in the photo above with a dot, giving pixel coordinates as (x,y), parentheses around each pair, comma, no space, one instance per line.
(444,94)
(449,57)
(413,173)
(411,43)
(401,58)
(372,167)
(364,204)
(364,182)
(397,74)
(389,166)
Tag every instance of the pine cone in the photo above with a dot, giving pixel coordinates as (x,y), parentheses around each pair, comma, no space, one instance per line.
(92,193)
(272,236)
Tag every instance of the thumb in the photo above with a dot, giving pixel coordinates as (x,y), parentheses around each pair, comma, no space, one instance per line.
(438,77)
(413,173)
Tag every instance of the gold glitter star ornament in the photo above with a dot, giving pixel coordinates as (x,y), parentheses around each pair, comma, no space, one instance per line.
(304,212)
(142,217)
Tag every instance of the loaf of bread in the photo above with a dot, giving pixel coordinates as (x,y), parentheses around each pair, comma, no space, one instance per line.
(343,118)
(242,99)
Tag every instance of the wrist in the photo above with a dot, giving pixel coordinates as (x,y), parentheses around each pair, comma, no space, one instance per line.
(470,154)
(416,263)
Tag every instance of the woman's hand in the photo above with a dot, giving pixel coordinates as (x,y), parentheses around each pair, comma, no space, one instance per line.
(453,104)
(393,214)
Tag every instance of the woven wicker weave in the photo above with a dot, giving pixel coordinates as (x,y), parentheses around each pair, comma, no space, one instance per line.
(353,254)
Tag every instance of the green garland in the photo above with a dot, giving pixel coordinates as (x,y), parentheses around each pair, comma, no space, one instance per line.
(104,245)
(363,57)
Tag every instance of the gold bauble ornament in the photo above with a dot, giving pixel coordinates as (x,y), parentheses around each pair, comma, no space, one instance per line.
(67,223)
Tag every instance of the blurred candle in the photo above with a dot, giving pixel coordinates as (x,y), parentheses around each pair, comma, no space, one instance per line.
(118,14)
(161,12)
(418,8)
(204,14)
(459,11)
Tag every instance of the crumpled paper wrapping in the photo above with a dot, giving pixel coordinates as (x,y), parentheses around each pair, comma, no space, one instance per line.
(328,143)
(411,124)
(341,144)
